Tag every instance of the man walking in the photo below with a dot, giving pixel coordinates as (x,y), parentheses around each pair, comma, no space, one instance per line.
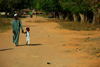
(16,24)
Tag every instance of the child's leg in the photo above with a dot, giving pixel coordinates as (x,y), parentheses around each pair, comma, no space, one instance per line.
(28,41)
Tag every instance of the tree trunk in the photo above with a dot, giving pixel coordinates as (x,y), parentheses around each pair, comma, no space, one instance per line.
(82,18)
(67,17)
(97,19)
(85,18)
(5,14)
(94,18)
(61,16)
(75,17)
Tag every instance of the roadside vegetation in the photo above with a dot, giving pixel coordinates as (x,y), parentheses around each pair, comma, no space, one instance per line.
(79,14)
(73,10)
(78,26)
(5,24)
(71,25)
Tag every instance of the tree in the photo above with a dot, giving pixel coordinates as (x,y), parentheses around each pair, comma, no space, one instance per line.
(84,7)
(48,5)
(95,5)
(76,7)
(8,5)
(34,3)
(70,6)
(5,6)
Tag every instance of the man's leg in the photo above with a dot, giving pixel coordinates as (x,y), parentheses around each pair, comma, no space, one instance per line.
(16,43)
(14,38)
(17,40)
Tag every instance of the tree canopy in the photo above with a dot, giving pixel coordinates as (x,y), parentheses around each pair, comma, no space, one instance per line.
(72,6)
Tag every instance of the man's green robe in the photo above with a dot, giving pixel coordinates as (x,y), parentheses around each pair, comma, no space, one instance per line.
(16,27)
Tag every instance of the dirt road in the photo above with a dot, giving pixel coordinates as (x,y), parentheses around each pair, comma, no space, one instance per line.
(50,46)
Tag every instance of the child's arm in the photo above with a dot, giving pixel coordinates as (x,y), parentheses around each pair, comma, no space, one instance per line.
(25,32)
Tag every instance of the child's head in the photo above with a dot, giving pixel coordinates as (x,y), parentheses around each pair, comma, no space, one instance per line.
(28,29)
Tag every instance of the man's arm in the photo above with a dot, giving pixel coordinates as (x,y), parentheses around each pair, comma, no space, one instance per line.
(20,23)
(13,27)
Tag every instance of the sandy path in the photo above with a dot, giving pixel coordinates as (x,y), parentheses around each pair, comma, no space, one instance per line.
(60,47)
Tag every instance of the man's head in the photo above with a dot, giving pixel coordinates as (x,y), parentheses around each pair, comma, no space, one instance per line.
(15,16)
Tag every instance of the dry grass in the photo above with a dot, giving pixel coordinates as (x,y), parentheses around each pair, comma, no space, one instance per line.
(92,46)
(45,15)
(71,25)
(75,25)
(78,26)
(95,51)
(5,24)
(39,21)
(91,39)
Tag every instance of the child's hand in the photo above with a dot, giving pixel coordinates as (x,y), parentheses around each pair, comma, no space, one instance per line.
(24,32)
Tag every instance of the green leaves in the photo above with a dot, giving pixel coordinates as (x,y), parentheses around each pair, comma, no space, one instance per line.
(75,6)
(48,5)
(95,4)
(38,6)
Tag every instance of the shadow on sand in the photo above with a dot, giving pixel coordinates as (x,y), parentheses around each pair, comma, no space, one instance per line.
(6,49)
(30,45)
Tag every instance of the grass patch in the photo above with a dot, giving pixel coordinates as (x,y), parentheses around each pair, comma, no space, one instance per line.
(91,39)
(78,26)
(39,21)
(5,25)
(45,15)
(95,51)
(70,25)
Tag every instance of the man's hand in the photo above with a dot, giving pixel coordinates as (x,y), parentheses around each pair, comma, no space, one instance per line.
(22,31)
(14,32)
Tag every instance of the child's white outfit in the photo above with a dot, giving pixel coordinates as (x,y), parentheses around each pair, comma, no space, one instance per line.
(27,37)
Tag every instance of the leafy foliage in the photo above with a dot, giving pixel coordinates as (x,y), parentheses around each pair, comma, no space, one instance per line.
(95,5)
(75,6)
(48,5)
(62,6)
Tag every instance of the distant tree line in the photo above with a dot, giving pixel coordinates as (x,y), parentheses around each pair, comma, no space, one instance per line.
(74,10)
(11,5)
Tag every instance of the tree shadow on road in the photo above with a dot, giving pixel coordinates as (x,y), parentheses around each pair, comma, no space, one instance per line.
(6,49)
(30,45)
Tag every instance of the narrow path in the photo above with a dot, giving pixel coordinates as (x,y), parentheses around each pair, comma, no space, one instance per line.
(59,47)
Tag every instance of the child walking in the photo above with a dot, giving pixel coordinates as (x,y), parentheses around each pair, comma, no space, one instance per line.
(27,36)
